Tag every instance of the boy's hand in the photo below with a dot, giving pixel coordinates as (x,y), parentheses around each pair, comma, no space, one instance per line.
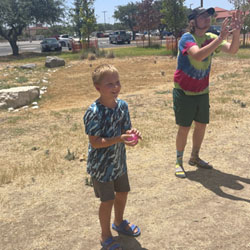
(131,137)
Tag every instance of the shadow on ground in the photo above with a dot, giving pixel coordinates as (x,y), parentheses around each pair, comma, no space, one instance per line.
(128,243)
(215,179)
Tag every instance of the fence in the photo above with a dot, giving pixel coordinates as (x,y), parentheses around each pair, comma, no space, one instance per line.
(79,45)
(144,41)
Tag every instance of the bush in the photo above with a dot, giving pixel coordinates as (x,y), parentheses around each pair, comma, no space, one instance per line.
(93,53)
(110,54)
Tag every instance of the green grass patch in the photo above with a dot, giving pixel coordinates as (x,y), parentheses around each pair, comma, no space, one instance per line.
(243,53)
(163,92)
(134,51)
(22,79)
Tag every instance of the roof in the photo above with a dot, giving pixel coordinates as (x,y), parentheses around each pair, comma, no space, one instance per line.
(217,9)
(223,13)
(38,28)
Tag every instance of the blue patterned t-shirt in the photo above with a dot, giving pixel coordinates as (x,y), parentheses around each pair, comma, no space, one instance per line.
(107,164)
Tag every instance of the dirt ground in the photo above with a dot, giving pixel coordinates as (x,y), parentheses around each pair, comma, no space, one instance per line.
(46,205)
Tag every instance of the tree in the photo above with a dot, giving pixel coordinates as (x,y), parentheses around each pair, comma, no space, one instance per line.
(244,6)
(84,18)
(158,7)
(16,15)
(127,16)
(147,18)
(174,16)
(77,21)
(87,13)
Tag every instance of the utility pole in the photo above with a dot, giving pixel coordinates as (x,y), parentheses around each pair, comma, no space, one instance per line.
(201,3)
(104,19)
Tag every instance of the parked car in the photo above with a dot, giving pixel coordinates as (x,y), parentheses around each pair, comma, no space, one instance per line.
(65,41)
(120,36)
(215,29)
(50,44)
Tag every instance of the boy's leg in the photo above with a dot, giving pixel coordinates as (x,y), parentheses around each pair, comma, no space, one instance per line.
(185,109)
(181,141)
(105,217)
(181,138)
(198,136)
(201,120)
(119,207)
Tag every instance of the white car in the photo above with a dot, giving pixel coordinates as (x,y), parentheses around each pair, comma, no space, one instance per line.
(65,41)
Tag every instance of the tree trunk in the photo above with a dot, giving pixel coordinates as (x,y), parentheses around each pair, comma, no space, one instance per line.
(244,39)
(134,35)
(176,46)
(14,47)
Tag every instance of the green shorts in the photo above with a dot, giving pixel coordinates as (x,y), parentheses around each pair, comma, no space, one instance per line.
(189,108)
(106,190)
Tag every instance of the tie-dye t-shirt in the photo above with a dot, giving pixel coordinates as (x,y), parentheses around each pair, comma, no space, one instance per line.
(192,76)
(107,164)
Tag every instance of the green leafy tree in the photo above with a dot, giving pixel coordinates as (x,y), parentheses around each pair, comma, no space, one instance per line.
(244,6)
(158,7)
(16,15)
(88,20)
(148,18)
(77,20)
(175,18)
(127,16)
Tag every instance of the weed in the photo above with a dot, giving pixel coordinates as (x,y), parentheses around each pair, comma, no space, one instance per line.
(56,114)
(70,156)
(22,79)
(75,127)
(17,131)
(163,92)
(110,54)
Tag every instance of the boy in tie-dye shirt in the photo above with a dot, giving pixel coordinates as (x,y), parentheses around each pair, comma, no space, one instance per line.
(191,79)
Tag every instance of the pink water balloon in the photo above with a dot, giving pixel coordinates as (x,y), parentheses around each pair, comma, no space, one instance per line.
(133,137)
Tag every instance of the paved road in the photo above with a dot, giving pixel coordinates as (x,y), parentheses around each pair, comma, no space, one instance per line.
(34,46)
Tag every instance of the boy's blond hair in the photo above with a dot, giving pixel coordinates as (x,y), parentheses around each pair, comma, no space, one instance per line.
(101,71)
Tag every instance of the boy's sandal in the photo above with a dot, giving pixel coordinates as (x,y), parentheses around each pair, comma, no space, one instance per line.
(122,228)
(110,244)
(199,163)
(179,171)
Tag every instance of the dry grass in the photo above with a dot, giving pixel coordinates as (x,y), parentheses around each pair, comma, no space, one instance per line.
(34,144)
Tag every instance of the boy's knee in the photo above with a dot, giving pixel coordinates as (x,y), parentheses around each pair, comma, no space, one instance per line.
(107,202)
(121,194)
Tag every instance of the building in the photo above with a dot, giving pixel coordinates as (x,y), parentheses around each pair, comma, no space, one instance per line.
(222,14)
(36,32)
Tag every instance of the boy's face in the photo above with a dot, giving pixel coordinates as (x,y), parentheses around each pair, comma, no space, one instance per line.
(203,21)
(109,87)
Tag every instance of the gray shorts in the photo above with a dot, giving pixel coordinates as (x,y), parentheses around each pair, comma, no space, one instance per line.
(106,190)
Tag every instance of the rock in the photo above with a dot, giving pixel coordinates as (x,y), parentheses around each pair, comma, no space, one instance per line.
(28,66)
(25,107)
(53,62)
(10,109)
(18,97)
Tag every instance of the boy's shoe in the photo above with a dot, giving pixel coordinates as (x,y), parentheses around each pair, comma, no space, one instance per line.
(110,244)
(198,162)
(179,171)
(125,228)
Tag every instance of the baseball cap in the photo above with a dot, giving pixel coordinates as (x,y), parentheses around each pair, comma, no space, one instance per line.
(199,11)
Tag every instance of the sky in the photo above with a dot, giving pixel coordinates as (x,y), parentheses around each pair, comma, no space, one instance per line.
(104,9)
